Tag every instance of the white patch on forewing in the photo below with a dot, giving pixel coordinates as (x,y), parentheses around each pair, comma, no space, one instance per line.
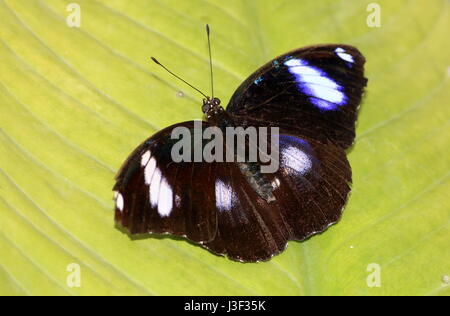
(155,187)
(145,158)
(224,196)
(165,200)
(149,170)
(119,200)
(296,159)
(344,55)
(317,84)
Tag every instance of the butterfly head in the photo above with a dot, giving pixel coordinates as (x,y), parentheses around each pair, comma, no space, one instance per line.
(211,106)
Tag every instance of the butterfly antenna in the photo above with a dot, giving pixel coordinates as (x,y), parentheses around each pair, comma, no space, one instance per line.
(158,63)
(210,61)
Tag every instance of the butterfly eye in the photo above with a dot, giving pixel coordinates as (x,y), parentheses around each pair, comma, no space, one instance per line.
(206,106)
(216,101)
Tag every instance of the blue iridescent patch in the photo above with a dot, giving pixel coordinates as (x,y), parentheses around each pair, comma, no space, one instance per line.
(294,139)
(258,80)
(324,92)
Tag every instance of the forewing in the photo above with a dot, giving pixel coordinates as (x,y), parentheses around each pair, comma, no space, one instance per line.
(154,194)
(313,92)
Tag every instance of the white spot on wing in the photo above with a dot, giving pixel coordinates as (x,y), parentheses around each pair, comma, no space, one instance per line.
(296,159)
(149,170)
(119,200)
(325,92)
(344,55)
(224,196)
(154,187)
(165,200)
(145,158)
(323,82)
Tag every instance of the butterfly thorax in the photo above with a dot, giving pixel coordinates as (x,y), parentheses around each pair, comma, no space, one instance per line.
(211,107)
(217,116)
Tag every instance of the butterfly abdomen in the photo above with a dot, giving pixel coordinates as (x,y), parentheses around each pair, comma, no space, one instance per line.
(259,183)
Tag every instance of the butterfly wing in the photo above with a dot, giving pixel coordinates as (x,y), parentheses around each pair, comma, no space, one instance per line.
(310,188)
(313,92)
(249,228)
(314,183)
(156,195)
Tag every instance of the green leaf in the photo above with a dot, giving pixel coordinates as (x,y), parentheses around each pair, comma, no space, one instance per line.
(76,101)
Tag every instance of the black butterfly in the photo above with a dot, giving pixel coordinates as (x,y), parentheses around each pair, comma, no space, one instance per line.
(312,94)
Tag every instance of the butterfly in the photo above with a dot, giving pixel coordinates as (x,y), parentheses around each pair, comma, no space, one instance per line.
(312,95)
